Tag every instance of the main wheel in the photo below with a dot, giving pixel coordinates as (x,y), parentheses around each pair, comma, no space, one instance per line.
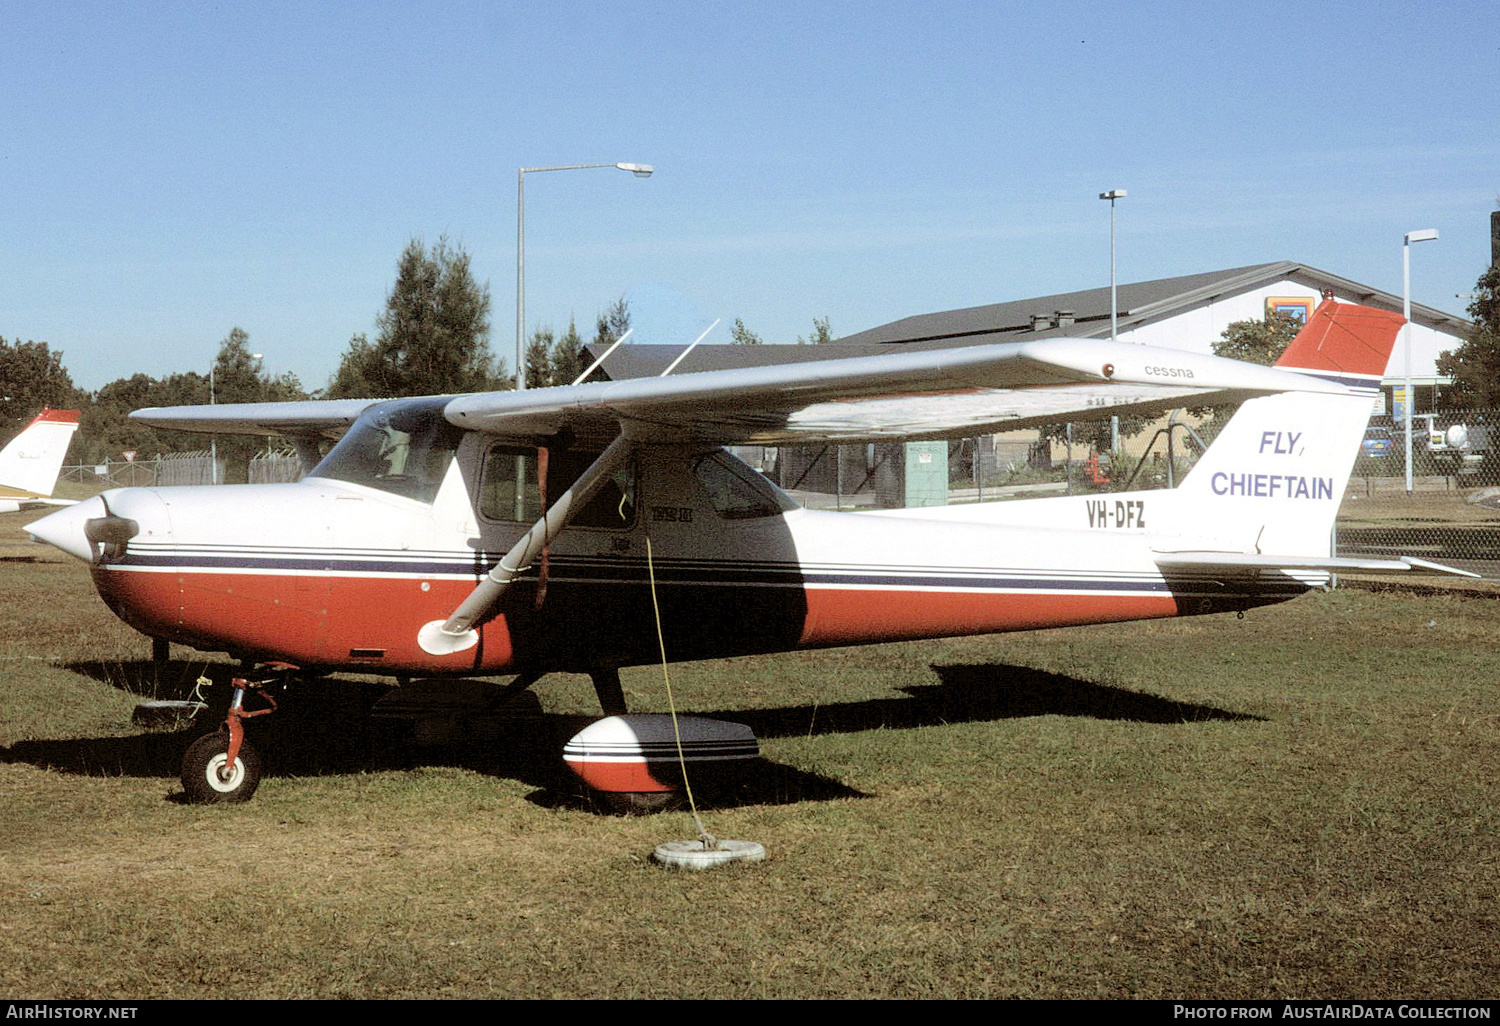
(207,777)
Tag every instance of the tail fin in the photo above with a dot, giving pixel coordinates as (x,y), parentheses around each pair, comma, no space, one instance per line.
(29,464)
(1345,343)
(1273,479)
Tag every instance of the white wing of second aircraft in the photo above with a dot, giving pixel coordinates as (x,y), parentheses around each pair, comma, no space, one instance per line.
(925,394)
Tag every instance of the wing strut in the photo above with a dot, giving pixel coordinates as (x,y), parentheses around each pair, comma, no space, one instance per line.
(457,633)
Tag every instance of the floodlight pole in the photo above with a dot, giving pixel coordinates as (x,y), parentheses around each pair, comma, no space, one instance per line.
(1424,235)
(639,170)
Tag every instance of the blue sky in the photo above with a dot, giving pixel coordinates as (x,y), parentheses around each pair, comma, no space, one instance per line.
(170,171)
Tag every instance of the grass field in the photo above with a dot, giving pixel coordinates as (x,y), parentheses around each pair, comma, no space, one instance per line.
(1298,804)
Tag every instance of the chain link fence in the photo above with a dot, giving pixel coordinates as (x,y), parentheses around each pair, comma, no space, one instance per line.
(275,467)
(1452,513)
(182,468)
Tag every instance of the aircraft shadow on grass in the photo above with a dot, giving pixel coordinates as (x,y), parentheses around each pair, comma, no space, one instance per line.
(978,692)
(330,730)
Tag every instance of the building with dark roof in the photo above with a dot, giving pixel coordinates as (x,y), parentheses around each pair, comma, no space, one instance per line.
(1187,312)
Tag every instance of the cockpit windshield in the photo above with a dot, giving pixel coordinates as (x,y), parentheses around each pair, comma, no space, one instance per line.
(403,446)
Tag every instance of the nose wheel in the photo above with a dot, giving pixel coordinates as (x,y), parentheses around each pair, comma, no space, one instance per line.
(223,767)
(209,775)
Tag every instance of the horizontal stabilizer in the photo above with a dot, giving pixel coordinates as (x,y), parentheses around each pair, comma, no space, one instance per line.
(1242,562)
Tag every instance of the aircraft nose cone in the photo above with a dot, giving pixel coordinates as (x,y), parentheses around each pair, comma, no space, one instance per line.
(66,529)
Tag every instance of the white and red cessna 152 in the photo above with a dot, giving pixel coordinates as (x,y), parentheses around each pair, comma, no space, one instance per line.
(422,545)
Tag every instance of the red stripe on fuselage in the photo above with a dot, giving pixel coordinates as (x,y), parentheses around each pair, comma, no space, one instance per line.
(840,616)
(319,620)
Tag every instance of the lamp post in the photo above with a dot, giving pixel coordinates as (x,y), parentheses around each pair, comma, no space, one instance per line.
(213,443)
(1425,235)
(639,170)
(1112,195)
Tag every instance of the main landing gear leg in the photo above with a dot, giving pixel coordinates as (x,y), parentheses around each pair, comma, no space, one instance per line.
(223,766)
(611,694)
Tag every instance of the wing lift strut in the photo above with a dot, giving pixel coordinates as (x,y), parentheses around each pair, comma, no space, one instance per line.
(459,633)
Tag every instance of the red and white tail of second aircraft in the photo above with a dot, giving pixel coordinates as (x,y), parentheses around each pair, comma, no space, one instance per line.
(30,462)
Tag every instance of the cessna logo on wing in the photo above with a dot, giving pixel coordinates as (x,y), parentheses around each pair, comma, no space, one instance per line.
(1169,372)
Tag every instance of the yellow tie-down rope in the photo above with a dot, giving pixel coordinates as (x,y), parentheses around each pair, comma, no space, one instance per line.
(709,841)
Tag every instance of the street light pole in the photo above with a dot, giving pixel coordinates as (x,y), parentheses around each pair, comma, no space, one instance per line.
(1112,195)
(1424,235)
(639,170)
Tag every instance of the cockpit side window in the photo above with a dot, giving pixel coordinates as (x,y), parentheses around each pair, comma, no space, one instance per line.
(404,447)
(613,506)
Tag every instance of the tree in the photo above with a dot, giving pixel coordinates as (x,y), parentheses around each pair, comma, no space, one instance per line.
(1258,341)
(237,371)
(238,377)
(613,323)
(1475,365)
(539,359)
(742,335)
(569,359)
(351,379)
(820,334)
(32,376)
(433,335)
(106,430)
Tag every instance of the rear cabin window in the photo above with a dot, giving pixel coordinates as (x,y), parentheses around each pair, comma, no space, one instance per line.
(403,447)
(613,506)
(736,492)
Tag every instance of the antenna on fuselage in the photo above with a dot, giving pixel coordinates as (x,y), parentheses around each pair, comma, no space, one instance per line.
(672,366)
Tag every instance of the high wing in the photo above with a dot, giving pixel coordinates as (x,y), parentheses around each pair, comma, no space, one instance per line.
(311,417)
(927,394)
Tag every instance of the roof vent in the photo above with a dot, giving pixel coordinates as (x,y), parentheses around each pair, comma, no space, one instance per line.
(1040,322)
(1065,318)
